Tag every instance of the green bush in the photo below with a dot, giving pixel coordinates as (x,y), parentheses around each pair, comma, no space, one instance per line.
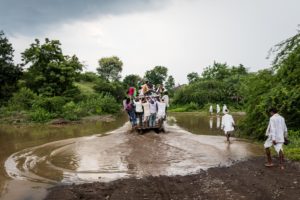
(201,92)
(92,105)
(115,89)
(71,111)
(22,100)
(50,104)
(109,104)
(192,106)
(292,151)
(40,115)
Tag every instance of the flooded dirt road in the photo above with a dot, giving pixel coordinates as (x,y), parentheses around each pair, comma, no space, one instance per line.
(120,154)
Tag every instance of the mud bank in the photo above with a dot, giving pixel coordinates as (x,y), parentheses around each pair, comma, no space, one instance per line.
(243,180)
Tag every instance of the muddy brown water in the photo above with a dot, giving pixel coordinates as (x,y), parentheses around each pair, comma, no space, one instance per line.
(38,157)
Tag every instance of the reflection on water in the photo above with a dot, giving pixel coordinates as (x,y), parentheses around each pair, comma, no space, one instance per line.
(198,123)
(218,122)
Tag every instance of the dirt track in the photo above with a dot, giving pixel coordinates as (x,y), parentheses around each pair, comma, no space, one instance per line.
(243,180)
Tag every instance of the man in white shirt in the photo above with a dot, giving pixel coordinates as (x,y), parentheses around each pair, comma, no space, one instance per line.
(227,124)
(139,110)
(276,133)
(153,110)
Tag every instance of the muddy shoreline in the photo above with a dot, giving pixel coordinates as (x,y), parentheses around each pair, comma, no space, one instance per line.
(243,180)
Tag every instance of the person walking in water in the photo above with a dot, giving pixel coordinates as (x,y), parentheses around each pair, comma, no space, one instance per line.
(210,109)
(218,109)
(276,132)
(227,124)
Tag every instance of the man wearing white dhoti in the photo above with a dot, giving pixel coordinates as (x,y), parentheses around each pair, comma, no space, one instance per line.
(276,132)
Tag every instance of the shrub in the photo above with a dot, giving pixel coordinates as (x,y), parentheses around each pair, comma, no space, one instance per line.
(71,111)
(50,104)
(92,105)
(22,100)
(40,115)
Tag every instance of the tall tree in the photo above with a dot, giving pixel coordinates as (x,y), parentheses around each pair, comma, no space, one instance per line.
(50,73)
(170,83)
(131,80)
(218,71)
(110,68)
(9,72)
(192,77)
(157,75)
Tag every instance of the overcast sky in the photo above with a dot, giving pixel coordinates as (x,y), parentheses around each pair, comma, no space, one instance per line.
(183,35)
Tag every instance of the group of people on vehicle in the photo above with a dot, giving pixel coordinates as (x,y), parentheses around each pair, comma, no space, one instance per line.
(147,106)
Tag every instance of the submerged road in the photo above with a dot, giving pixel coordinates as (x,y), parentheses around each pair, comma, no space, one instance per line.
(118,154)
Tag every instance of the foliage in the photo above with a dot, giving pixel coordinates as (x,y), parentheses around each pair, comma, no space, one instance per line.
(292,151)
(40,115)
(200,92)
(92,105)
(157,75)
(86,88)
(22,100)
(131,80)
(115,89)
(218,84)
(280,89)
(217,71)
(170,83)
(50,104)
(50,72)
(192,77)
(87,77)
(9,72)
(110,68)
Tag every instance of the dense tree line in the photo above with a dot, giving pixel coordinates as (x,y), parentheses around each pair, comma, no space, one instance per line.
(48,84)
(218,83)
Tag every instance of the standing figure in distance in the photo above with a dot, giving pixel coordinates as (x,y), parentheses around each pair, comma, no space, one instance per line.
(210,109)
(227,124)
(218,109)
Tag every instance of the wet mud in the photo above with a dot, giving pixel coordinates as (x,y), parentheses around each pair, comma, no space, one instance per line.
(248,180)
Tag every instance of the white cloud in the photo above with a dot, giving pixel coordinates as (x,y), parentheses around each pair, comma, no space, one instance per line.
(185,36)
